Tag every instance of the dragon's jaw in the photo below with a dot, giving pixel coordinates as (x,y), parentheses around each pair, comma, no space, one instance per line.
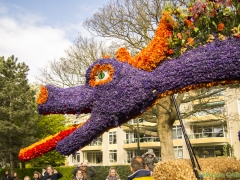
(85,134)
(106,111)
(100,121)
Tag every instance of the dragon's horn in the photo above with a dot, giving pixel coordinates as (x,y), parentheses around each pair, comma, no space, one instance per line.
(156,51)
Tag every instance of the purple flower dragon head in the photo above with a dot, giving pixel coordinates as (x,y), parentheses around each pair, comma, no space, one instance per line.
(129,91)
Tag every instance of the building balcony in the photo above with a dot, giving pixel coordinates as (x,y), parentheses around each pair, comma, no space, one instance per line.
(144,142)
(206,138)
(144,139)
(207,135)
(94,145)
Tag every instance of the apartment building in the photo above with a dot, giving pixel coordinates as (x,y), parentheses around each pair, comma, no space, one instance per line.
(207,133)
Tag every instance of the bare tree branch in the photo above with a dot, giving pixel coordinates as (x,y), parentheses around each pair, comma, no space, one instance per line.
(70,70)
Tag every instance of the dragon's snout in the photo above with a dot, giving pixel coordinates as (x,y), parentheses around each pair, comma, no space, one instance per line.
(73,100)
(43,95)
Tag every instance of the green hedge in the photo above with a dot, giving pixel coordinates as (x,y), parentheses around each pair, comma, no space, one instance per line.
(102,172)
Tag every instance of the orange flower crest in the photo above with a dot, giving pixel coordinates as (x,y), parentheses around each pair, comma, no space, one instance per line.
(156,51)
(43,96)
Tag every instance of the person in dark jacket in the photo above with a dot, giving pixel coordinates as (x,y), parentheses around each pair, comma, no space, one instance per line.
(150,158)
(44,172)
(138,168)
(52,174)
(88,173)
(37,176)
(6,176)
(15,177)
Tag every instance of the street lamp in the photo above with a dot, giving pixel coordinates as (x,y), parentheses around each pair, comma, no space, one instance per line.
(138,143)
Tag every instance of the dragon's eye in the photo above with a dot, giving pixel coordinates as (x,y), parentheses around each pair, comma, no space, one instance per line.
(101,74)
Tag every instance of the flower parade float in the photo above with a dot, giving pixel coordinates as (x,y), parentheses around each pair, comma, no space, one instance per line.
(184,54)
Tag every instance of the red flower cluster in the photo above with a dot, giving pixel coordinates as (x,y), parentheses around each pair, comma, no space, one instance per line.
(45,145)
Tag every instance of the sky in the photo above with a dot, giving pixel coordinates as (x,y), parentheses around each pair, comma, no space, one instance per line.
(39,31)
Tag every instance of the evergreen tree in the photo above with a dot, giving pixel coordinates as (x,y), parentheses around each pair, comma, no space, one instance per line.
(18,116)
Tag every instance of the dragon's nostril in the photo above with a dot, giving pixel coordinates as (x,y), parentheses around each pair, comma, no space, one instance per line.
(43,95)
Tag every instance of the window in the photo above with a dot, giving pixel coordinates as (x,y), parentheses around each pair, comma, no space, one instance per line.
(178,152)
(218,131)
(96,142)
(76,158)
(130,138)
(112,138)
(130,155)
(208,131)
(94,157)
(211,150)
(177,132)
(112,156)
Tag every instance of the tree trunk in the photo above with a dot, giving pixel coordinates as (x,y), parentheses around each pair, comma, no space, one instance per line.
(10,138)
(11,164)
(166,116)
(165,125)
(165,136)
(23,165)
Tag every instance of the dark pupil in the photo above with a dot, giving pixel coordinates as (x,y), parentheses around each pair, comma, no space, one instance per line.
(101,75)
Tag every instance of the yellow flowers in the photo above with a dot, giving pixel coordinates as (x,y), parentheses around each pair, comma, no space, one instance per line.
(236,31)
(183,49)
(210,38)
(221,37)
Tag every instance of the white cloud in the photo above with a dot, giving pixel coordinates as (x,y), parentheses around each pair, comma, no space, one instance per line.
(24,34)
(30,43)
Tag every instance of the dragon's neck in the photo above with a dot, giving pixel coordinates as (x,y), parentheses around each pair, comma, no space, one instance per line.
(205,66)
